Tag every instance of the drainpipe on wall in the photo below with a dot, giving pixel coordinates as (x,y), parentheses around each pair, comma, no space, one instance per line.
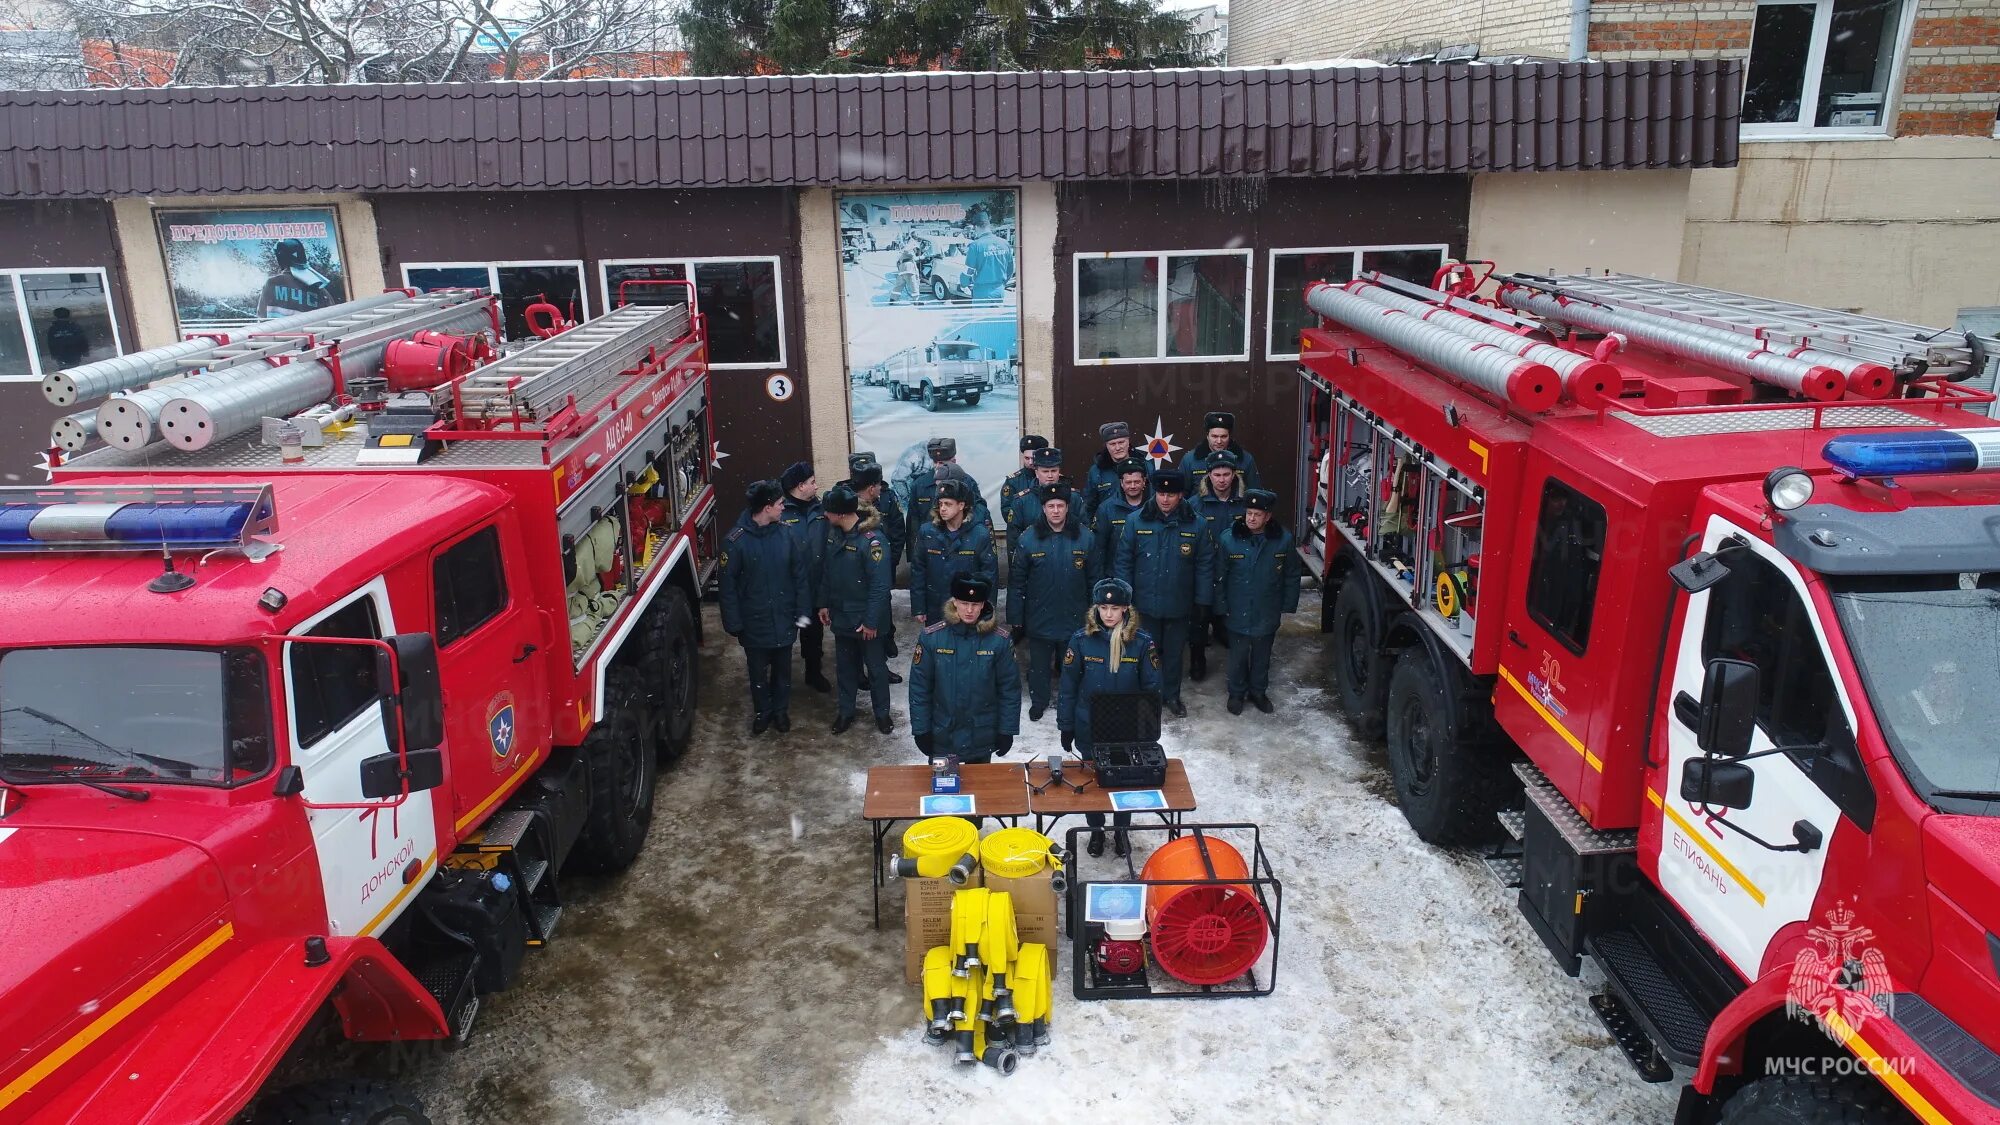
(1579,30)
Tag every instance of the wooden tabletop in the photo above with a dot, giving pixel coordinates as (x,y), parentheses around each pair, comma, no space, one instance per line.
(998,788)
(1061,800)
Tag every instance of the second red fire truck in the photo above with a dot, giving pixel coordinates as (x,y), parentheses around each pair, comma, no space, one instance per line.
(331,648)
(1698,595)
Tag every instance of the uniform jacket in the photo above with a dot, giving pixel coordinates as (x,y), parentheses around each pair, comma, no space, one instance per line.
(923,494)
(1087,671)
(1049,576)
(808,524)
(1112,516)
(856,576)
(765,586)
(1100,484)
(1218,512)
(1256,577)
(965,689)
(938,555)
(1195,464)
(894,528)
(1021,483)
(1167,561)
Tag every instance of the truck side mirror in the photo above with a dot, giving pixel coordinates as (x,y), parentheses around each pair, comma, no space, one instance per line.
(420,693)
(382,775)
(1728,708)
(1706,781)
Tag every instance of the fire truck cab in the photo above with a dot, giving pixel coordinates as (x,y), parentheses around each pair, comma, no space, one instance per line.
(296,733)
(1719,656)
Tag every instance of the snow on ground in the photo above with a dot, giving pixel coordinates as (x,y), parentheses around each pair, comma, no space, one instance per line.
(733,975)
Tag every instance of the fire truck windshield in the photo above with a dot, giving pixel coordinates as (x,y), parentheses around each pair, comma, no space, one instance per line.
(177,715)
(1928,647)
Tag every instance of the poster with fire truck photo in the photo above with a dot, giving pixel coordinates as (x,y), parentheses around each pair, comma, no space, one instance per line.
(929,285)
(231,268)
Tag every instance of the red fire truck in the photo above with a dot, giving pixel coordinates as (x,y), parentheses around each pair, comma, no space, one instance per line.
(1696,594)
(331,646)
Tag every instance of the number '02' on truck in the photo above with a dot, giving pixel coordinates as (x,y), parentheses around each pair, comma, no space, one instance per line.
(319,669)
(1694,595)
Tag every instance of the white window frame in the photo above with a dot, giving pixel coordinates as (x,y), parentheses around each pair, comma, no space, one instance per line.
(1160,355)
(688,264)
(493,275)
(19,297)
(1271,278)
(1803,128)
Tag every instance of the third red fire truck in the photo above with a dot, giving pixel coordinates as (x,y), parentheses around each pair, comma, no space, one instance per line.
(334,645)
(1698,595)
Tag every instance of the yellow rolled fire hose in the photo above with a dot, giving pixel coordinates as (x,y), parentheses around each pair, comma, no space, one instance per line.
(1016,853)
(968,922)
(1034,994)
(941,847)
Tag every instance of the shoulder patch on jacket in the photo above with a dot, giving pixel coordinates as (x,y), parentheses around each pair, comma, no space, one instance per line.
(934,626)
(735,533)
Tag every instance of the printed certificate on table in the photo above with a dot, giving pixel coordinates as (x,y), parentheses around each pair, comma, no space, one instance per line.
(946,804)
(1138,800)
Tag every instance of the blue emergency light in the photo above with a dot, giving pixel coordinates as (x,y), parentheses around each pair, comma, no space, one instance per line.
(1913,453)
(134,519)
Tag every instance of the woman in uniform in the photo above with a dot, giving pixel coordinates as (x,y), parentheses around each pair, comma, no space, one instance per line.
(1110,653)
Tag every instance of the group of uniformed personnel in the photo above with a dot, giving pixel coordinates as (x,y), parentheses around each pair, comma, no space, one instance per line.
(1195,552)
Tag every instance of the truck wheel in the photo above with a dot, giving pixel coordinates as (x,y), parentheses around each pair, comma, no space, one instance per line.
(972,399)
(931,399)
(1450,781)
(1360,670)
(620,759)
(341,1102)
(896,391)
(673,673)
(1811,1100)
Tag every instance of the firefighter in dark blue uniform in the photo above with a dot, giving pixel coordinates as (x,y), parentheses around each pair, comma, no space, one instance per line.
(1163,557)
(808,523)
(854,603)
(1219,433)
(1256,584)
(965,690)
(1019,483)
(1049,579)
(766,592)
(1134,482)
(943,453)
(1110,653)
(951,544)
(1219,499)
(1102,481)
(1025,510)
(864,476)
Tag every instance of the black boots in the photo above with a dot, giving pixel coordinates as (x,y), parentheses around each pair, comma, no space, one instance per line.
(842,723)
(783,721)
(1263,703)
(1236,705)
(1095,844)
(885,724)
(1036,711)
(1178,708)
(817,682)
(1198,663)
(760,724)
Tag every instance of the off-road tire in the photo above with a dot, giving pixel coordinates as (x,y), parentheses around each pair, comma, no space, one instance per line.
(621,762)
(1360,667)
(1450,774)
(972,399)
(671,659)
(1812,1100)
(341,1102)
(932,400)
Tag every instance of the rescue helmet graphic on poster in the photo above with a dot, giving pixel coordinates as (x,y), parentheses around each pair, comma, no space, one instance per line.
(930,284)
(232,268)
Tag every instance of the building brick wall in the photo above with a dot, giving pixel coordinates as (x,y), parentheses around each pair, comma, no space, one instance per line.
(1951,69)
(1270,31)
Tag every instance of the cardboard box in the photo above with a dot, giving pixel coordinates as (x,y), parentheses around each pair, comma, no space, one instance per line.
(1033,894)
(926,919)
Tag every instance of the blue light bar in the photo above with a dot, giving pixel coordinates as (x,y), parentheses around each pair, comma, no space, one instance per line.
(1913,453)
(46,520)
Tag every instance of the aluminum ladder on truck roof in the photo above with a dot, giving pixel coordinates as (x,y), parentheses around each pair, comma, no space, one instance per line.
(1908,349)
(362,326)
(576,368)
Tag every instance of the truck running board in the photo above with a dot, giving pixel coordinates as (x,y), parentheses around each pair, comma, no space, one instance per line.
(1671,1021)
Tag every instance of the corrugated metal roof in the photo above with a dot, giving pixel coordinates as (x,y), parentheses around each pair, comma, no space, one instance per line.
(870,129)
